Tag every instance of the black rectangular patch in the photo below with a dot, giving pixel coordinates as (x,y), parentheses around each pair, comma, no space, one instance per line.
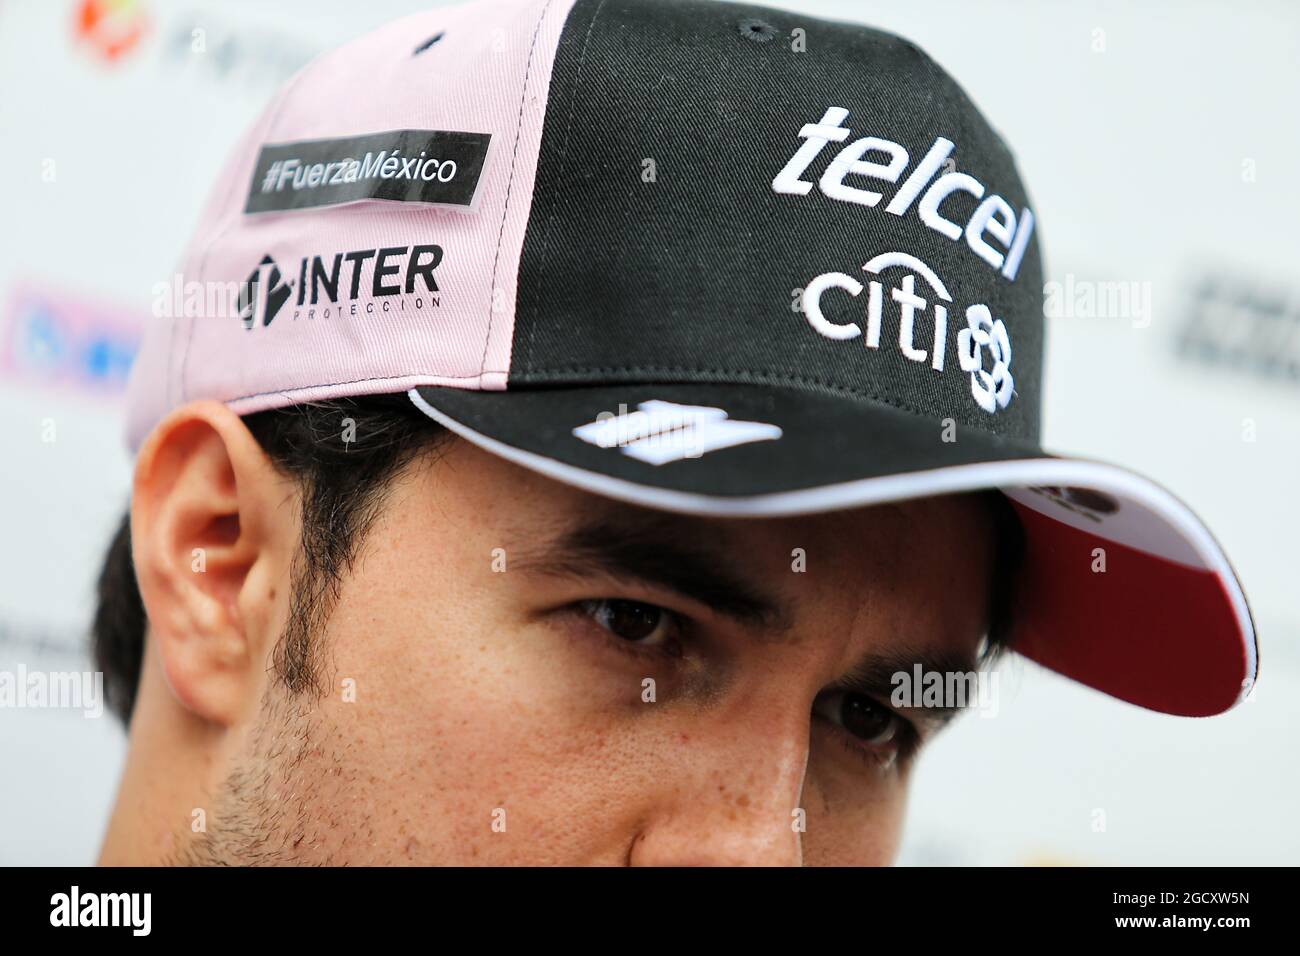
(406,165)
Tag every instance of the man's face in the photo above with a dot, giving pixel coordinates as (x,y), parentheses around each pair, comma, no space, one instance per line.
(517,672)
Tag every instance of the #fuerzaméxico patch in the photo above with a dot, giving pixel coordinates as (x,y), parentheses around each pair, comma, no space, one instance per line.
(434,167)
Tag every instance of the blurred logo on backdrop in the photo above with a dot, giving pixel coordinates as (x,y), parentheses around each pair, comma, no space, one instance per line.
(259,52)
(1245,325)
(110,28)
(50,338)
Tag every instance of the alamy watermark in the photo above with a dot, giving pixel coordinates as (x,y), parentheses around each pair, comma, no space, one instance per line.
(53,690)
(1093,299)
(921,689)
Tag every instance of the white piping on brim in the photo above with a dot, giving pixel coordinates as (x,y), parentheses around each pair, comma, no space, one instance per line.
(1022,473)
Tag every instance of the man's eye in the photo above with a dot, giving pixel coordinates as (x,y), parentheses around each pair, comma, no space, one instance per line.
(872,723)
(646,625)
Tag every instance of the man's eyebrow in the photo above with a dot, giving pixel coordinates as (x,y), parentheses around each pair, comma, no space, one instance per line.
(875,676)
(654,551)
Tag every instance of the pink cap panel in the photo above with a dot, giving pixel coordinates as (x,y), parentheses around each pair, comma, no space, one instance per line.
(334,291)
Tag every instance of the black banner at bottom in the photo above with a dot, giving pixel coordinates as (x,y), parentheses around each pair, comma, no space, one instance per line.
(239,907)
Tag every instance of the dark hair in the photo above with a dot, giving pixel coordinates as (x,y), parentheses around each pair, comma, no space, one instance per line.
(344,455)
(1008,556)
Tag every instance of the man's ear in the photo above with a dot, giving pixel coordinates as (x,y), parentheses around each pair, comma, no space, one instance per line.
(213,530)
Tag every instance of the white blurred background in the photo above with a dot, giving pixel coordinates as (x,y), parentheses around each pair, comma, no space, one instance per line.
(1161,144)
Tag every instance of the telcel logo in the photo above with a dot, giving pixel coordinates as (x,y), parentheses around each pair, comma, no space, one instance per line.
(993,218)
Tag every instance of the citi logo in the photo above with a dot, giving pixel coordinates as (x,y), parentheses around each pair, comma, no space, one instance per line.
(993,219)
(393,279)
(992,387)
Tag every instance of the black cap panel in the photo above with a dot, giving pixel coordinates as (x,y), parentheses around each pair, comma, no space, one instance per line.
(659,249)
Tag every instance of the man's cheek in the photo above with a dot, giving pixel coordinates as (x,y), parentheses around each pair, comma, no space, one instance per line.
(855,815)
(492,729)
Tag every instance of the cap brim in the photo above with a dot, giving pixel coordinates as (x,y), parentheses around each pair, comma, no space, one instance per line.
(1122,587)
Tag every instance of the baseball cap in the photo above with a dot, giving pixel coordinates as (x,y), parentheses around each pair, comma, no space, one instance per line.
(708,258)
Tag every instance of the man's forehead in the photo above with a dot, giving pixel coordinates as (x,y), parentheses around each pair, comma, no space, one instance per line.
(563,510)
(881,540)
(544,513)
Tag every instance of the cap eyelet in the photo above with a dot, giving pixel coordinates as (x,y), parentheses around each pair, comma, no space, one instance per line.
(427,43)
(757,30)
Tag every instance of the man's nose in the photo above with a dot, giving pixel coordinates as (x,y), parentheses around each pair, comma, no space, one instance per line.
(735,799)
